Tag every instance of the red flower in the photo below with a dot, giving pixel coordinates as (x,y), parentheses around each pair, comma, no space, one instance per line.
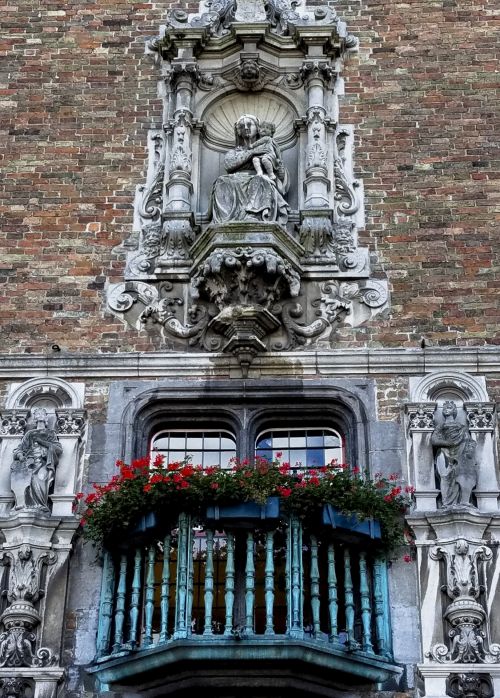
(407,558)
(214,485)
(284,491)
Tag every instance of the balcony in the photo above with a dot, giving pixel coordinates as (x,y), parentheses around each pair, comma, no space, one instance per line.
(257,604)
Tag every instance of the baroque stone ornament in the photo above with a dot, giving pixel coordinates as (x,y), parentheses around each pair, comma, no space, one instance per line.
(250,204)
(13,687)
(421,417)
(469,686)
(34,464)
(17,642)
(13,422)
(468,641)
(481,416)
(455,458)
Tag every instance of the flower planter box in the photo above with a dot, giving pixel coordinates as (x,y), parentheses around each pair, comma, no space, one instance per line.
(245,511)
(333,517)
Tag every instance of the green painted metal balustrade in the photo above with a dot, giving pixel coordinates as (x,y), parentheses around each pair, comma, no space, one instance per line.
(222,587)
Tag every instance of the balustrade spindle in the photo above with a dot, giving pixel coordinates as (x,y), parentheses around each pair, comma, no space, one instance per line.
(296,577)
(315,599)
(288,581)
(333,608)
(106,605)
(348,598)
(165,590)
(149,596)
(134,599)
(120,605)
(249,583)
(269,582)
(381,604)
(184,565)
(209,582)
(366,614)
(229,589)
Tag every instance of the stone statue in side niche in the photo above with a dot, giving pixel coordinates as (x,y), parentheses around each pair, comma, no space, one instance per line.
(34,464)
(256,181)
(455,458)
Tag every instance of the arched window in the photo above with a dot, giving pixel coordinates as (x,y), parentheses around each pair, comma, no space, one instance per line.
(302,448)
(207,447)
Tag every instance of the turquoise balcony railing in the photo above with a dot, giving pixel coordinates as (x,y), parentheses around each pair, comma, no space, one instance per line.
(218,591)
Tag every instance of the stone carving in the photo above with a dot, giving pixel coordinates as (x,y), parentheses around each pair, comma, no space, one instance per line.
(455,458)
(70,423)
(17,642)
(245,276)
(481,416)
(421,417)
(467,617)
(469,686)
(249,74)
(13,422)
(152,198)
(256,181)
(34,464)
(13,687)
(344,190)
(316,237)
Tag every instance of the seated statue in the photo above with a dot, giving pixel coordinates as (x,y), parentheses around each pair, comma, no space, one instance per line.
(455,458)
(256,181)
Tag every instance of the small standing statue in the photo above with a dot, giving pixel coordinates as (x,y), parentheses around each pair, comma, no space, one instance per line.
(34,465)
(455,458)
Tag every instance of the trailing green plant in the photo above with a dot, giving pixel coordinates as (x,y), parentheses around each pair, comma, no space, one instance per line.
(144,486)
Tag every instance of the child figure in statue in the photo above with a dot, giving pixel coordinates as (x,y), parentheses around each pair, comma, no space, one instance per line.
(268,156)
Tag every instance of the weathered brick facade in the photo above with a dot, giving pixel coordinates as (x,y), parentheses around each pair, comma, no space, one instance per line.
(79,94)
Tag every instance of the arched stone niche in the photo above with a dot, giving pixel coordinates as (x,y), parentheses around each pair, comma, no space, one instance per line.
(475,417)
(60,405)
(215,136)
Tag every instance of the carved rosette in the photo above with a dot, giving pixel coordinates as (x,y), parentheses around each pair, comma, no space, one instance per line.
(481,416)
(468,639)
(13,422)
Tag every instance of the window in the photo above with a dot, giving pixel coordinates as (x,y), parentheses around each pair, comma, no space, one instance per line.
(311,448)
(205,448)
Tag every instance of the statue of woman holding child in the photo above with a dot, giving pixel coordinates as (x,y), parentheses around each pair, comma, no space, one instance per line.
(256,181)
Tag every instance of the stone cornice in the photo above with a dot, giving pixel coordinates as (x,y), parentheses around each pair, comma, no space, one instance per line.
(338,362)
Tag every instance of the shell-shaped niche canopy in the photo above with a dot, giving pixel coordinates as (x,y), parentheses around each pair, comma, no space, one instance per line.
(222,114)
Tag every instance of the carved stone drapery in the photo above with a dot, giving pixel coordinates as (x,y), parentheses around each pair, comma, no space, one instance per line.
(34,465)
(455,458)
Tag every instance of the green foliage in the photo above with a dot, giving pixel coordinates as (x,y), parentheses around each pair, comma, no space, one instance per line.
(142,487)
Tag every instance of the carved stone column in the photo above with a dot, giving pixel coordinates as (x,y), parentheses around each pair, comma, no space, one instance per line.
(420,424)
(481,419)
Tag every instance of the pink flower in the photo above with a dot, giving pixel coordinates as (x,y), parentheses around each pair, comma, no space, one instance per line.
(407,558)
(214,485)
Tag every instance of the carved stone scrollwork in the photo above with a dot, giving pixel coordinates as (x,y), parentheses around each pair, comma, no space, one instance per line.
(469,686)
(250,74)
(480,416)
(70,422)
(298,333)
(421,417)
(152,197)
(13,422)
(467,617)
(17,642)
(14,687)
(317,69)
(123,296)
(344,191)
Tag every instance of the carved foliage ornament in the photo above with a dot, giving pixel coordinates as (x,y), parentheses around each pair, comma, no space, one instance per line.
(469,686)
(468,641)
(14,687)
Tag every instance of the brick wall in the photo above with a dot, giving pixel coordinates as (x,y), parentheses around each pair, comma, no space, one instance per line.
(79,95)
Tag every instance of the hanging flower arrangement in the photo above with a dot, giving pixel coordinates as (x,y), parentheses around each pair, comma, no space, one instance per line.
(142,487)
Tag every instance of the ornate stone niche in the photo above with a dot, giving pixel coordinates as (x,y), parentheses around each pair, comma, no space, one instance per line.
(450,444)
(42,430)
(246,230)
